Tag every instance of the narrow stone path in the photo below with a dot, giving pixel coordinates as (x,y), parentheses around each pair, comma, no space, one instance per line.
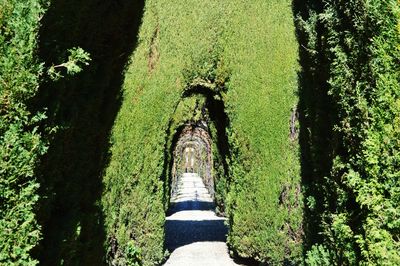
(195,235)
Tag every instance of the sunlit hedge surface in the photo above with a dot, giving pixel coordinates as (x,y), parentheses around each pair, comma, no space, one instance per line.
(244,53)
(324,134)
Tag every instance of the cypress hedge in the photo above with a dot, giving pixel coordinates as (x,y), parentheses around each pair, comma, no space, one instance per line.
(24,126)
(21,144)
(350,116)
(81,110)
(242,57)
(236,60)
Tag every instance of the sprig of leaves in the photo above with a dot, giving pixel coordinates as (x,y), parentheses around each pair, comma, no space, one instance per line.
(76,60)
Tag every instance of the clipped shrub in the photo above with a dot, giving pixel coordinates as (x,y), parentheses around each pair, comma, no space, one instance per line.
(242,57)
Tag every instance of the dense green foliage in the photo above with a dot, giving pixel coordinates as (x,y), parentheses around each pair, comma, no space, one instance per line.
(64,201)
(67,186)
(20,143)
(264,199)
(351,129)
(243,55)
(81,111)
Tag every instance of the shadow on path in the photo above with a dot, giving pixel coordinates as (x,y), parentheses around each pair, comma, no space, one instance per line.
(190,205)
(181,233)
(195,235)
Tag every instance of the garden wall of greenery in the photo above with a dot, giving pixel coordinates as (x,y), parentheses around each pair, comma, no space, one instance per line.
(304,132)
(350,130)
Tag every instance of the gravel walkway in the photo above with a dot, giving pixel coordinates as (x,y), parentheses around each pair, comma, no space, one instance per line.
(195,235)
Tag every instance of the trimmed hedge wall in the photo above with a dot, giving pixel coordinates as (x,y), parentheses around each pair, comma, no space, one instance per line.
(245,56)
(238,60)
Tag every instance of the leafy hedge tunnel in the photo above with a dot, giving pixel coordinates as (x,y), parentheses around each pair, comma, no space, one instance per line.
(99,188)
(193,154)
(200,123)
(184,76)
(293,106)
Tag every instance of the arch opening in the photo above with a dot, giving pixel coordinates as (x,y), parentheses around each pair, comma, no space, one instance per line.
(197,155)
(199,123)
(193,154)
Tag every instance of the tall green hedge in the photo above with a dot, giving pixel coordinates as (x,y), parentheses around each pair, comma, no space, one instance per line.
(240,58)
(20,143)
(244,54)
(351,113)
(81,110)
(264,199)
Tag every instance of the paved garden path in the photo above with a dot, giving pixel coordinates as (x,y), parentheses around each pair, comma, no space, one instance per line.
(195,235)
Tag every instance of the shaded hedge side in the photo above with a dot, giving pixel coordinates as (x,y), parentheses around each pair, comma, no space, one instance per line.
(350,56)
(81,111)
(21,145)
